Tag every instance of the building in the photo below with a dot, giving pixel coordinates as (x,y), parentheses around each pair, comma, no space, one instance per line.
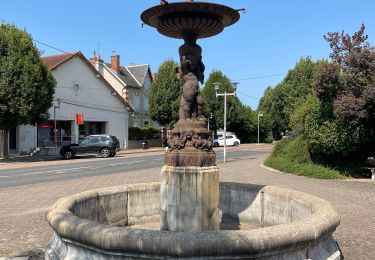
(133,83)
(84,103)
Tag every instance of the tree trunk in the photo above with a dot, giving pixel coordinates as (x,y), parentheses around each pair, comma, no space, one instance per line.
(4,146)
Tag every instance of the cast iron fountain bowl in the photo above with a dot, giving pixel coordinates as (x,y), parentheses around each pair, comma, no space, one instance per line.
(199,19)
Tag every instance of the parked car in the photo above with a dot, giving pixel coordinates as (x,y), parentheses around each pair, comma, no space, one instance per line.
(231,140)
(103,145)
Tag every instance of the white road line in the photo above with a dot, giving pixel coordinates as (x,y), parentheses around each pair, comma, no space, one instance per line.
(113,164)
(60,170)
(159,159)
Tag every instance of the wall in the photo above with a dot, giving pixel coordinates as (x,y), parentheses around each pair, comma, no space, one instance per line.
(93,99)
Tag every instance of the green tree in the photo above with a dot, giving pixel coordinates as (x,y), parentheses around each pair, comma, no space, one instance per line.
(279,103)
(164,95)
(239,116)
(26,84)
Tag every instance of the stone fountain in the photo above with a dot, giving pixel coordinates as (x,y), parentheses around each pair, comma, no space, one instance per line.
(190,215)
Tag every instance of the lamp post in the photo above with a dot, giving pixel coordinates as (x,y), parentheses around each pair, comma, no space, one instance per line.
(225,94)
(208,122)
(259,115)
(54,119)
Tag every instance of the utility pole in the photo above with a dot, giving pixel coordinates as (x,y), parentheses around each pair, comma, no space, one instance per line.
(54,119)
(259,115)
(225,94)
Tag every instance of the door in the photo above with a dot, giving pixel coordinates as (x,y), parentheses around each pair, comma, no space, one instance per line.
(82,146)
(93,144)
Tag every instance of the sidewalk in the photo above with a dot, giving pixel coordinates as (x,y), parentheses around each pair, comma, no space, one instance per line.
(24,231)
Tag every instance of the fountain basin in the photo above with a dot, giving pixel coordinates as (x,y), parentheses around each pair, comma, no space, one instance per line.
(287,224)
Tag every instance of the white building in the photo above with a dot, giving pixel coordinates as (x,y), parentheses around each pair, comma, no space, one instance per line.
(81,92)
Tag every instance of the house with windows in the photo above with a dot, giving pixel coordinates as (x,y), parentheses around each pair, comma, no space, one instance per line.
(84,103)
(133,83)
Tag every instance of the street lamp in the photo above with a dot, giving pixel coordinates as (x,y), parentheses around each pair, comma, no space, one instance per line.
(259,115)
(225,94)
(54,119)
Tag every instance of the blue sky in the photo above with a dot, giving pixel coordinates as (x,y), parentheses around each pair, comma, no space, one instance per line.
(268,40)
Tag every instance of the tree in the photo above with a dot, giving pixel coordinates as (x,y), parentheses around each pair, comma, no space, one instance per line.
(278,103)
(239,119)
(26,84)
(346,87)
(164,95)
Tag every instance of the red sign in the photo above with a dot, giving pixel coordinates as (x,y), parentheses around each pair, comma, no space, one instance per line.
(45,125)
(79,119)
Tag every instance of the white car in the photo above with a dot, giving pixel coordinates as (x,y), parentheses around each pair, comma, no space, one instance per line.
(231,140)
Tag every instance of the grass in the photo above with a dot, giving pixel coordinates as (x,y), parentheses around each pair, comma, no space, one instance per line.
(292,156)
(4,252)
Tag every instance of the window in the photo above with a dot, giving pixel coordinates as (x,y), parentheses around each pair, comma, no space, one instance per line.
(145,103)
(136,102)
(104,139)
(94,140)
(147,83)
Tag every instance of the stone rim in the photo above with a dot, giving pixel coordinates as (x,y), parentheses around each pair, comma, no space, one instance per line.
(313,228)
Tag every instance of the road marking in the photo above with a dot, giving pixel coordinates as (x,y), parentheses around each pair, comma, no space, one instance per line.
(60,170)
(159,159)
(113,164)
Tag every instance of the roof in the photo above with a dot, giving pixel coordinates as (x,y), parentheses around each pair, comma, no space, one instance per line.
(125,76)
(139,72)
(54,61)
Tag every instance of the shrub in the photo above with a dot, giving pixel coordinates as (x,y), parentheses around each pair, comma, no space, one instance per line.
(138,133)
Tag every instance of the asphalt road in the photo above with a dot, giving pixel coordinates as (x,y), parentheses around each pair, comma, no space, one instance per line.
(85,168)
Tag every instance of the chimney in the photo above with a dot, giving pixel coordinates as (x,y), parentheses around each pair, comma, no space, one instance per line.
(115,63)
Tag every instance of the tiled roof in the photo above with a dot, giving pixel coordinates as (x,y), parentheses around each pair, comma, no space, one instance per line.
(139,72)
(125,76)
(52,62)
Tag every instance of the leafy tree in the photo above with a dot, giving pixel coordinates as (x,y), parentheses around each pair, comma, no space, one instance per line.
(239,117)
(26,84)
(164,95)
(346,89)
(278,103)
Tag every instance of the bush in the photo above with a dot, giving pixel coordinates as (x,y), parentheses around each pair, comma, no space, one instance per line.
(138,133)
(292,155)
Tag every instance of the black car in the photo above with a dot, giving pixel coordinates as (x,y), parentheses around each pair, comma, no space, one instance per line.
(103,145)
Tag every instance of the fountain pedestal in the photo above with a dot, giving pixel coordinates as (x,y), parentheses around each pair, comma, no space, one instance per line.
(190,199)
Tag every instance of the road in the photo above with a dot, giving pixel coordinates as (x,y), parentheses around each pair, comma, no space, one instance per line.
(89,167)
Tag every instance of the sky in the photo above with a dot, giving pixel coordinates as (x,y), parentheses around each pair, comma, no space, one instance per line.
(257,51)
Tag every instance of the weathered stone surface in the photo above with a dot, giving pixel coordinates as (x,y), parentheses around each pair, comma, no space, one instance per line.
(303,232)
(190,198)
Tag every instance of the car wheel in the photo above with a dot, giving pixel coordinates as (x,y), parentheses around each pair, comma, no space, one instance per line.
(105,152)
(113,154)
(236,143)
(216,144)
(68,155)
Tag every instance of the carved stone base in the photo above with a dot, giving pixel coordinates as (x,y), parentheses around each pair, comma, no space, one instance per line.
(190,144)
(190,157)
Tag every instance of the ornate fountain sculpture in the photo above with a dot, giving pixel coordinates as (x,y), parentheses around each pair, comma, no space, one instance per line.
(273,223)
(190,177)
(190,141)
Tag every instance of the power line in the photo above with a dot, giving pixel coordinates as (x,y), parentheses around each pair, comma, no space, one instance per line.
(49,46)
(263,77)
(143,76)
(244,94)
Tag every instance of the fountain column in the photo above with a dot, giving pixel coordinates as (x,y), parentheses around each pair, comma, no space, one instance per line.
(190,178)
